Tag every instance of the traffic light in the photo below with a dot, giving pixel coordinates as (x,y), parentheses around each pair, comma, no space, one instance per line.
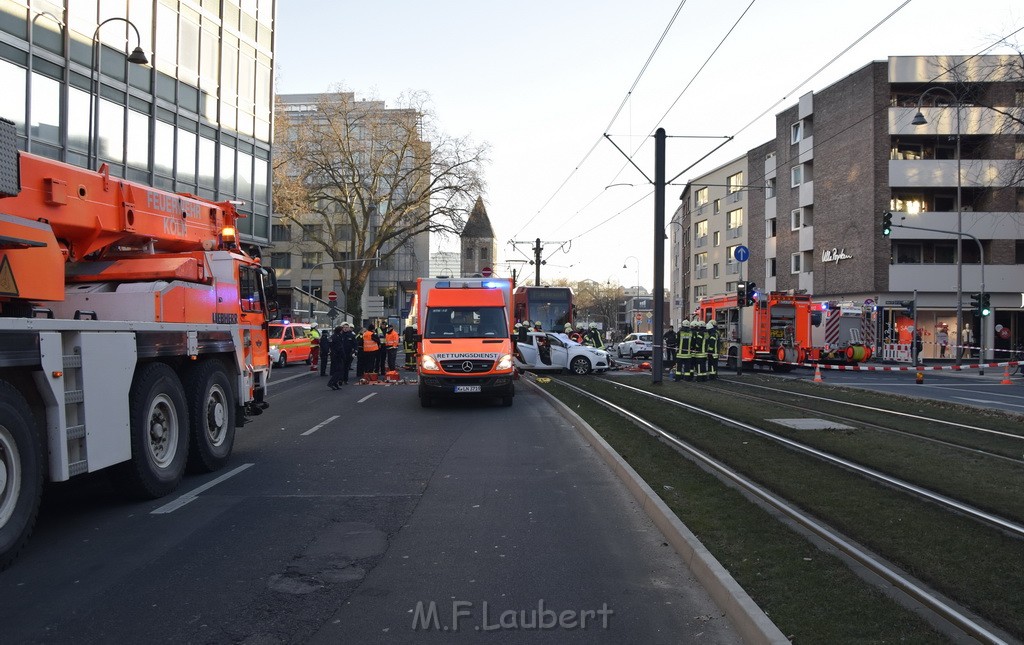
(986,307)
(886,223)
(751,294)
(741,294)
(909,306)
(976,303)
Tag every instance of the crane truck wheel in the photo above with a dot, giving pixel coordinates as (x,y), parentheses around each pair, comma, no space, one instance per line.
(21,473)
(159,433)
(211,409)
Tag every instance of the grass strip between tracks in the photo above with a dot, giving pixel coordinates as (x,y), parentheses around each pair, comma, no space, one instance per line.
(809,594)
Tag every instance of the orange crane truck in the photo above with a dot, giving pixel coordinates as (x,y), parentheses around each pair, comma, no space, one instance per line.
(463,331)
(133,333)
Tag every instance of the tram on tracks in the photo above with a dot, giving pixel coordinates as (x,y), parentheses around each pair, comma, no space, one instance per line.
(552,306)
(784,329)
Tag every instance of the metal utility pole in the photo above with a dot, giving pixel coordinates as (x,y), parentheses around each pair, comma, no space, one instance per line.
(657,367)
(537,261)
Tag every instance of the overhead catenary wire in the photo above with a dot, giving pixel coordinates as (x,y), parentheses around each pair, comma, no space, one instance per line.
(615,116)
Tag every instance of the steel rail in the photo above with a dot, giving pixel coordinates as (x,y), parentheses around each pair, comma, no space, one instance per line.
(880,568)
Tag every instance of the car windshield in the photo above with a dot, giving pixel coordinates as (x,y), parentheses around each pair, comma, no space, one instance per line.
(276,332)
(466,322)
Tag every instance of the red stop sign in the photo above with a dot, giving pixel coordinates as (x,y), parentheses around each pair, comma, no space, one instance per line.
(332,296)
(485,272)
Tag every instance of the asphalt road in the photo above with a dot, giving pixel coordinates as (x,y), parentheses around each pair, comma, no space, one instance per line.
(356,517)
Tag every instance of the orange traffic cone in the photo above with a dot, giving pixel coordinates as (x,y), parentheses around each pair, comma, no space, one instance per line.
(920,376)
(1006,376)
(817,373)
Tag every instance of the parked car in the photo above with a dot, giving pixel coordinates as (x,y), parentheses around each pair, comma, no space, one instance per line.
(289,342)
(561,353)
(635,346)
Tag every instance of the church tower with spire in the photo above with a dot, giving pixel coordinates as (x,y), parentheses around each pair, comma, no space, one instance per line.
(479,248)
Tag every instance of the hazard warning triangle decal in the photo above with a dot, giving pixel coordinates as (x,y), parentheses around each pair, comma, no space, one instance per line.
(8,287)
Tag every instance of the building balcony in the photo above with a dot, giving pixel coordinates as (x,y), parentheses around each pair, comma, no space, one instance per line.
(942,121)
(807,193)
(983,225)
(769,247)
(769,208)
(806,281)
(941,173)
(806,150)
(807,238)
(999,278)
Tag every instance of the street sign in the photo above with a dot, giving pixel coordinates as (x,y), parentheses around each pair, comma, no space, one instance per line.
(742,253)
(332,296)
(639,317)
(486,272)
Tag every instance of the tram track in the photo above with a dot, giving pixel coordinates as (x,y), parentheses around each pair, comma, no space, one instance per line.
(792,509)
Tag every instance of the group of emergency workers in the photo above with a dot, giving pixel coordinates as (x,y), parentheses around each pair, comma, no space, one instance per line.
(696,357)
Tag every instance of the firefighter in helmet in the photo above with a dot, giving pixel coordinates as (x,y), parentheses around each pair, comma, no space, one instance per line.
(684,365)
(711,349)
(595,335)
(698,354)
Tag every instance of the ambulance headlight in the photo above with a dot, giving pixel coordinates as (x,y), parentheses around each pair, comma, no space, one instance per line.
(428,363)
(505,362)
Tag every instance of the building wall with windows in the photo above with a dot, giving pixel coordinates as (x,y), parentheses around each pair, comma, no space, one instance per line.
(845,154)
(710,223)
(196,119)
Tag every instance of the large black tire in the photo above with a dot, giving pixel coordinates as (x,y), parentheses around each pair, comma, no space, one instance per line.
(211,408)
(21,473)
(159,434)
(506,401)
(580,366)
(282,359)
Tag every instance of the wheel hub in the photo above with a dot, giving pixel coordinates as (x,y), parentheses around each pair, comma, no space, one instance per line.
(10,486)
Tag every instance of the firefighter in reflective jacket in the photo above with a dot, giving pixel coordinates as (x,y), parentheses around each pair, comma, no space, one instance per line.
(595,336)
(711,349)
(409,347)
(697,351)
(684,364)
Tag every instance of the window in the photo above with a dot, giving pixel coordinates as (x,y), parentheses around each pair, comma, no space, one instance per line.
(794,263)
(734,223)
(484,253)
(700,291)
(908,253)
(700,234)
(281,233)
(281,260)
(769,268)
(796,132)
(714,271)
(310,232)
(769,228)
(735,183)
(470,253)
(700,197)
(1018,98)
(700,265)
(311,259)
(796,176)
(796,219)
(717,239)
(769,188)
(732,265)
(718,206)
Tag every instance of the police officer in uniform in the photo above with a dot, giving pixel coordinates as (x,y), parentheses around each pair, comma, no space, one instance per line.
(711,348)
(683,352)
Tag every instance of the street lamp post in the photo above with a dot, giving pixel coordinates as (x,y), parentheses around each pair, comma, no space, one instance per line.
(137,56)
(918,121)
(637,295)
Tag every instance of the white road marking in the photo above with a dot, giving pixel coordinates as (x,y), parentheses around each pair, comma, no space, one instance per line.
(319,425)
(192,495)
(366,397)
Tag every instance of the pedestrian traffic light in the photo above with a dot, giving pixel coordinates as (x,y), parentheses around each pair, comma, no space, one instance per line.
(741,294)
(909,306)
(886,223)
(986,308)
(976,304)
(751,293)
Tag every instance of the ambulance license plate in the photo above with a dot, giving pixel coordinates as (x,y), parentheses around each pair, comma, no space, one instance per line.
(466,388)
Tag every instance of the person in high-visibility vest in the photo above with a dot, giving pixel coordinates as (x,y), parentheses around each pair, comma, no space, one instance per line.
(409,347)
(392,341)
(370,349)
(595,336)
(711,349)
(314,340)
(697,352)
(684,364)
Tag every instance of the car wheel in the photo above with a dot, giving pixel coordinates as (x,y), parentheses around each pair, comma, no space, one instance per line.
(282,360)
(580,366)
(632,354)
(618,350)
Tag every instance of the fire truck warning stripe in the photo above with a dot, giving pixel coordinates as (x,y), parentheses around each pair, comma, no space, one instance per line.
(194,494)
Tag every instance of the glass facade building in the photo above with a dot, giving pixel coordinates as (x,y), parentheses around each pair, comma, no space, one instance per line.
(196,119)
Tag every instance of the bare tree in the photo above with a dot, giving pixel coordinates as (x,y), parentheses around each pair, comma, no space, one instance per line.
(363,180)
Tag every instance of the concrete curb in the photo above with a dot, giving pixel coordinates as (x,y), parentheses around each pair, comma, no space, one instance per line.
(749,619)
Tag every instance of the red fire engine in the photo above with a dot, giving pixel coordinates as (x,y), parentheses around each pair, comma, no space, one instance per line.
(778,329)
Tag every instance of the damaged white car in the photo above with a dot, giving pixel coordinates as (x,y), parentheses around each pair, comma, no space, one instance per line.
(543,351)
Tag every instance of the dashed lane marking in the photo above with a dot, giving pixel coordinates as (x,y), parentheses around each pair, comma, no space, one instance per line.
(366,397)
(319,425)
(192,495)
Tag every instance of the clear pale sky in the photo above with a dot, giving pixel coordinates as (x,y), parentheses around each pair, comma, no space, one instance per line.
(540,82)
